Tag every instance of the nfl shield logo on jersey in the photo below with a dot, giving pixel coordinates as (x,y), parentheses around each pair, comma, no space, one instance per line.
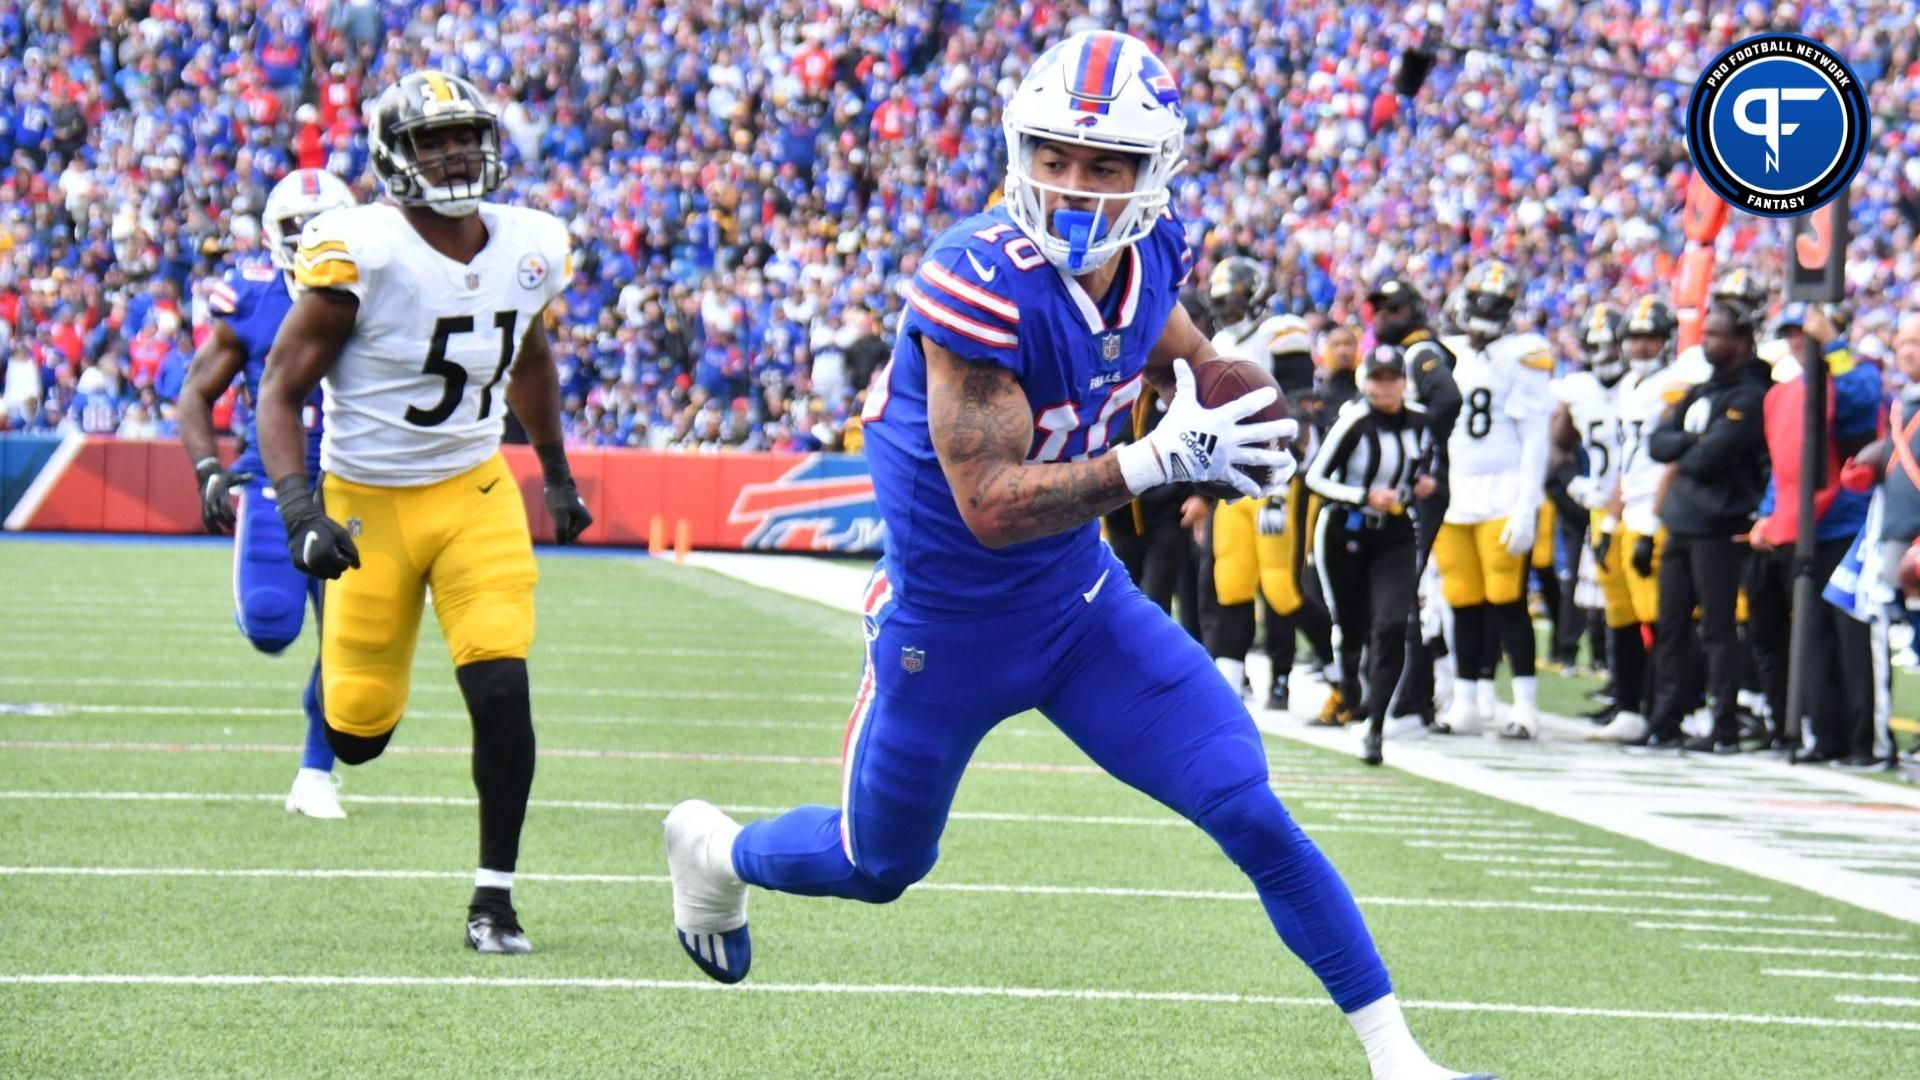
(1110,347)
(913,660)
(531,271)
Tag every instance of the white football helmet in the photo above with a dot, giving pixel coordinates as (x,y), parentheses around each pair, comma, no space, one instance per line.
(1101,89)
(301,196)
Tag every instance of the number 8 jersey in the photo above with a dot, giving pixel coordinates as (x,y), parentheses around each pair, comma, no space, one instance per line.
(1503,390)
(415,396)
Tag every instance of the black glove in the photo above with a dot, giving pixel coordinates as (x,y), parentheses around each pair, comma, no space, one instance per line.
(1643,556)
(321,547)
(564,505)
(1602,547)
(216,494)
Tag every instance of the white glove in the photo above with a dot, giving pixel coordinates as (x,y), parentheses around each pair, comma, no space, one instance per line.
(1272,519)
(1517,534)
(1195,444)
(1588,492)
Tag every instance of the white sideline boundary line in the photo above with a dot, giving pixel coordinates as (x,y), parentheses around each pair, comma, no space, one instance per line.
(1551,860)
(920,990)
(1791,950)
(991,888)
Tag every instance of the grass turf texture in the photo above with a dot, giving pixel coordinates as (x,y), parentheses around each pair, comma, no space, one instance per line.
(687,683)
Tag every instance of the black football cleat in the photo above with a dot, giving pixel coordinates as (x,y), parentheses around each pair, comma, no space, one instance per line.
(492,929)
(1711,744)
(1370,749)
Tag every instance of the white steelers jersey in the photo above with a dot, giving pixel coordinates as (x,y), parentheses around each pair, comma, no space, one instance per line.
(418,394)
(1259,340)
(1643,398)
(1504,389)
(1594,408)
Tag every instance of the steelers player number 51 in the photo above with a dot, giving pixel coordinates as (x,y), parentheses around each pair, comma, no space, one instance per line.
(455,375)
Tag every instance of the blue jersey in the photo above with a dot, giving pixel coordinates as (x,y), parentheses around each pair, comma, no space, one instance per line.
(985,293)
(253,300)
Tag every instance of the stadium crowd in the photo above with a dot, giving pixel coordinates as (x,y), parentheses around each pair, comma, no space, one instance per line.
(748,184)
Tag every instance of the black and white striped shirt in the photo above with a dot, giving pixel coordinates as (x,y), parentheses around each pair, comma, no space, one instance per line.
(1365,450)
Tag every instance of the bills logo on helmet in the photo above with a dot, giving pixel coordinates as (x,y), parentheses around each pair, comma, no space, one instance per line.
(824,503)
(1160,81)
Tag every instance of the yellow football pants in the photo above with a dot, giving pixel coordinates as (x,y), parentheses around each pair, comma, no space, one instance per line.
(1244,560)
(467,539)
(1475,567)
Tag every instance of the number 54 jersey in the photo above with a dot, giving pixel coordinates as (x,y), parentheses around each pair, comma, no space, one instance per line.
(415,397)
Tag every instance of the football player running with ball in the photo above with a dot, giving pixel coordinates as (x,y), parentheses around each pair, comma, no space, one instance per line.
(413,315)
(1028,332)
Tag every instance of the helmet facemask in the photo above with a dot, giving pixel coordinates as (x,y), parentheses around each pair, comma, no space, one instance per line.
(480,164)
(1109,93)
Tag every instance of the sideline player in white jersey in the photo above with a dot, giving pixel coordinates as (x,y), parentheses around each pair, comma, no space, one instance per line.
(414,313)
(1626,546)
(1254,546)
(1497,468)
(1588,419)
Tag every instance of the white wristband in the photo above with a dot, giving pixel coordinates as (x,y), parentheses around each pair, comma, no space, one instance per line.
(1140,466)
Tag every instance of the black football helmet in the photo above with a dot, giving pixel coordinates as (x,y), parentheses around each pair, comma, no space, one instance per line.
(426,101)
(1650,317)
(1600,339)
(1743,289)
(1487,299)
(1240,281)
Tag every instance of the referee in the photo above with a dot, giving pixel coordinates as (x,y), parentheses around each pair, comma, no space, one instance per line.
(1370,470)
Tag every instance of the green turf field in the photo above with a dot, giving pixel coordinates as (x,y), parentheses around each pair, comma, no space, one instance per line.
(164,916)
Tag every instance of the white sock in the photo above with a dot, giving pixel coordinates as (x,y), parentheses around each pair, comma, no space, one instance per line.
(1526,690)
(492,879)
(1232,670)
(1485,697)
(1391,1052)
(1466,695)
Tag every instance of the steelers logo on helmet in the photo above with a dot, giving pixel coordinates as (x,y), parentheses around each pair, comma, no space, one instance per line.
(1777,125)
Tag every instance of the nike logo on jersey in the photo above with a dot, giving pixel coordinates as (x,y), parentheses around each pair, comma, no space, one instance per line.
(1095,591)
(986,272)
(489,485)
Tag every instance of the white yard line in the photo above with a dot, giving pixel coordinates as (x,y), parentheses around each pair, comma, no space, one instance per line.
(433,688)
(1847,976)
(1596,875)
(1028,993)
(1790,950)
(1481,845)
(1897,1002)
(1723,928)
(993,888)
(1548,860)
(1653,894)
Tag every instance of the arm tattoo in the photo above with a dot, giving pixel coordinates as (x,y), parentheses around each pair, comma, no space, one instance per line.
(983,434)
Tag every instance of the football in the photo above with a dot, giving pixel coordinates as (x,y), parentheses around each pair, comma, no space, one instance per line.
(1224,379)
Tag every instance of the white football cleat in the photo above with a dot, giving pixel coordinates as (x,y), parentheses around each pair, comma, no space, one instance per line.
(1523,721)
(313,795)
(709,899)
(1625,727)
(1463,715)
